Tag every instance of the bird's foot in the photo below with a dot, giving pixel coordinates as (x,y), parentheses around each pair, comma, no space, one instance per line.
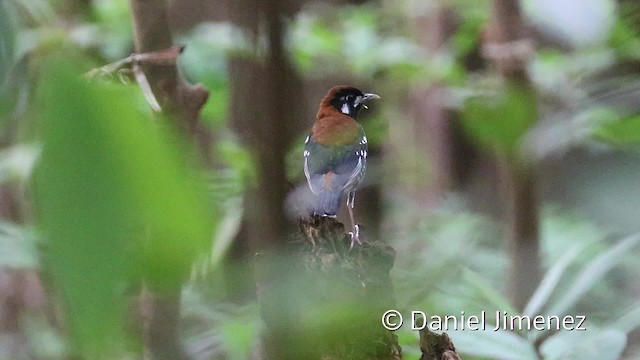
(355,236)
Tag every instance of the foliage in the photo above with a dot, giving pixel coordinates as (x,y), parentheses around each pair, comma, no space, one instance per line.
(570,281)
(223,330)
(7,43)
(354,40)
(116,197)
(132,204)
(500,121)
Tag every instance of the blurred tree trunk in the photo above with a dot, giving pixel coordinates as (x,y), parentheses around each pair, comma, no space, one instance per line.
(266,102)
(182,102)
(10,209)
(432,131)
(518,176)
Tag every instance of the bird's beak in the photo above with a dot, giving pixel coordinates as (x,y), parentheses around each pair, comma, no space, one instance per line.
(370,97)
(366,97)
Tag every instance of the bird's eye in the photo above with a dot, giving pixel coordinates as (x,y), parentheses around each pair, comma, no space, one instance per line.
(349,97)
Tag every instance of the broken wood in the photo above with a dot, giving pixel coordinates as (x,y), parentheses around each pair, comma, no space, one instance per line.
(437,346)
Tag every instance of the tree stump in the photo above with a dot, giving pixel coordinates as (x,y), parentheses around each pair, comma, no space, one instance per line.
(437,347)
(321,300)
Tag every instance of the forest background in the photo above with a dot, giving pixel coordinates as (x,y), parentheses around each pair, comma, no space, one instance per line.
(503,166)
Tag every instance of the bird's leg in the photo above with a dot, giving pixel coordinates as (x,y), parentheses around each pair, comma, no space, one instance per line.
(355,234)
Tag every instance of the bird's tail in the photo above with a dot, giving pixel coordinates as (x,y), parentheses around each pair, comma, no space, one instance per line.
(328,202)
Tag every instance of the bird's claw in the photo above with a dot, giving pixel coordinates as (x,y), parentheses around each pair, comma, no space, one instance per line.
(355,236)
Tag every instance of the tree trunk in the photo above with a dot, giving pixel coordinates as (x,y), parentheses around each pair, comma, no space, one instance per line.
(182,103)
(432,127)
(266,100)
(518,177)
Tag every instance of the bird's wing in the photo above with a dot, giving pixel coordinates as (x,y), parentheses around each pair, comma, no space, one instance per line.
(357,173)
(347,163)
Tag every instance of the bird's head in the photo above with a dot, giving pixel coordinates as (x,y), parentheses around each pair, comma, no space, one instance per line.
(347,99)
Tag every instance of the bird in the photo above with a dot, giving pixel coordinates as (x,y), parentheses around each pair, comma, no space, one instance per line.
(335,153)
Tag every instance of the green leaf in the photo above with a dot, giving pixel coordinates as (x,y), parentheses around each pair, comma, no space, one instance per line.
(622,132)
(115,196)
(500,121)
(630,320)
(551,280)
(82,203)
(238,337)
(409,340)
(501,345)
(624,37)
(488,292)
(591,274)
(7,43)
(592,344)
(313,42)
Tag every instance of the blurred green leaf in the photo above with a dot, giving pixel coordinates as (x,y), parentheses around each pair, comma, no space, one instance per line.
(551,280)
(115,29)
(466,37)
(219,330)
(630,321)
(624,37)
(205,60)
(313,42)
(216,111)
(593,344)
(239,160)
(591,274)
(488,292)
(500,121)
(83,203)
(7,44)
(501,345)
(238,337)
(108,178)
(623,132)
(409,340)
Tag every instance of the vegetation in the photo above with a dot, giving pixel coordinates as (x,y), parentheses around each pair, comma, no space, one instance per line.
(115,216)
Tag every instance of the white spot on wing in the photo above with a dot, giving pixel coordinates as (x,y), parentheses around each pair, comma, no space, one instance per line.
(306,141)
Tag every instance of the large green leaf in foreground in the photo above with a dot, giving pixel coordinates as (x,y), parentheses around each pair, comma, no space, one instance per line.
(114,195)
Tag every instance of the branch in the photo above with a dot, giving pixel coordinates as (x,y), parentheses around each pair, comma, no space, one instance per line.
(178,99)
(162,57)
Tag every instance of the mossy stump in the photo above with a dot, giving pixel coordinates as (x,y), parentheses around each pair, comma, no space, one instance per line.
(321,300)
